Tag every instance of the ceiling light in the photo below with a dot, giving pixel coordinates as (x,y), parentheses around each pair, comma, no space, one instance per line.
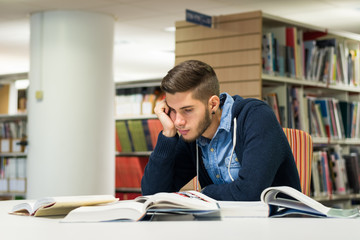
(22,84)
(169,29)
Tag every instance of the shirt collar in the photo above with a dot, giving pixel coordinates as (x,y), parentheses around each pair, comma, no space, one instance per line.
(225,122)
(226,102)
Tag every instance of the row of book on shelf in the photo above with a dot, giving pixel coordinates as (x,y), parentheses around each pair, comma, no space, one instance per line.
(137,135)
(314,56)
(12,134)
(335,173)
(12,175)
(137,101)
(324,117)
(129,171)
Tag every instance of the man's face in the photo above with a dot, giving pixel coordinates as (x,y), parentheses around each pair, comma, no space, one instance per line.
(190,116)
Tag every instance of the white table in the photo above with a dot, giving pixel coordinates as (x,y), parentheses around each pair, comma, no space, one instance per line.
(24,227)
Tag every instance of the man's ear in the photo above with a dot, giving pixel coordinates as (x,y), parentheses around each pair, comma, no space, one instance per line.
(214,103)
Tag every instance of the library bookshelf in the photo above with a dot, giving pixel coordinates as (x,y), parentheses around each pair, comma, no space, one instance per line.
(295,65)
(13,134)
(137,128)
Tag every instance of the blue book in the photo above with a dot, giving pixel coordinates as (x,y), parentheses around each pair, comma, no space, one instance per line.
(325,113)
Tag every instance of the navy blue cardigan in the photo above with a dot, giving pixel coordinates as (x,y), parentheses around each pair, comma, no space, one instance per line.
(261,148)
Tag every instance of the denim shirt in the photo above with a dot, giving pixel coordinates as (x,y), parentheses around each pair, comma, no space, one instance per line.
(216,152)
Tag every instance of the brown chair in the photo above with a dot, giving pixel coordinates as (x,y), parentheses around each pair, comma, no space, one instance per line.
(302,148)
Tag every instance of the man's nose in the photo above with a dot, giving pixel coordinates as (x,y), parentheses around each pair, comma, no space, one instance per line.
(179,120)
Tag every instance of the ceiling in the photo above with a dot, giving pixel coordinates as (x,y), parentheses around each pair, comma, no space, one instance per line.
(143,48)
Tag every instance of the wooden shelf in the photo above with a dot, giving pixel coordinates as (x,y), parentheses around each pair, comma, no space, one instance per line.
(347,141)
(13,155)
(337,197)
(13,116)
(12,195)
(128,190)
(136,84)
(307,83)
(137,154)
(135,117)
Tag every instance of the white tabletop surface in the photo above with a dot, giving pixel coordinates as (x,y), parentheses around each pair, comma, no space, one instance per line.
(25,227)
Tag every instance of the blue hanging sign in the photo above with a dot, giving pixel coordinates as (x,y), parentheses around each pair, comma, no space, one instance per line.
(198,18)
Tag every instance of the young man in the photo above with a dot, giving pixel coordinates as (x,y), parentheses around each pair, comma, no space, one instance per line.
(235,146)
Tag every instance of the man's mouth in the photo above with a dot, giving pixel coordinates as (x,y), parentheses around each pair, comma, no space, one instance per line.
(183,132)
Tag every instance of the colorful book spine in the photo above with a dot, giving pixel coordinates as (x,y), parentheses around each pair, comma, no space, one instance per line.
(137,135)
(124,136)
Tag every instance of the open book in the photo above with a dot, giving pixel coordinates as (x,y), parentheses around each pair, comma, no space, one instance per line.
(54,206)
(282,201)
(287,201)
(188,202)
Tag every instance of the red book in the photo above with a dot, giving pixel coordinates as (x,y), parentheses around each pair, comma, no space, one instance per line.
(327,172)
(291,43)
(121,173)
(128,172)
(155,127)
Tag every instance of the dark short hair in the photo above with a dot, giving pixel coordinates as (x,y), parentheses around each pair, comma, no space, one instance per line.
(192,75)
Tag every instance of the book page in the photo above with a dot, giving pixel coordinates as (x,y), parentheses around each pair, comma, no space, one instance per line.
(125,210)
(23,208)
(63,205)
(304,202)
(181,200)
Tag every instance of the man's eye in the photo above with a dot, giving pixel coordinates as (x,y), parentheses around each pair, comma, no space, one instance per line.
(188,110)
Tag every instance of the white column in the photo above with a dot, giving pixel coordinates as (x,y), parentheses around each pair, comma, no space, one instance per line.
(70,104)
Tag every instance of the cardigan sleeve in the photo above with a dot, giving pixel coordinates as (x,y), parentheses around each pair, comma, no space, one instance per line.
(169,168)
(264,154)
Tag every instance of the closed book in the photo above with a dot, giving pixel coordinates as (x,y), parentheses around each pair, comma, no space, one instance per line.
(155,128)
(320,120)
(338,118)
(326,173)
(122,175)
(328,46)
(333,120)
(128,172)
(345,112)
(309,49)
(137,135)
(124,136)
(147,134)
(4,98)
(325,113)
(315,174)
(273,102)
(118,147)
(279,36)
(354,119)
(339,169)
(353,171)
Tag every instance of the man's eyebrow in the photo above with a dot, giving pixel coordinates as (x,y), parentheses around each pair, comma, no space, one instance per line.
(184,107)
(189,106)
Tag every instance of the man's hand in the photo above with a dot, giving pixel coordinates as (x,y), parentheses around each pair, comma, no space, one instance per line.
(164,114)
